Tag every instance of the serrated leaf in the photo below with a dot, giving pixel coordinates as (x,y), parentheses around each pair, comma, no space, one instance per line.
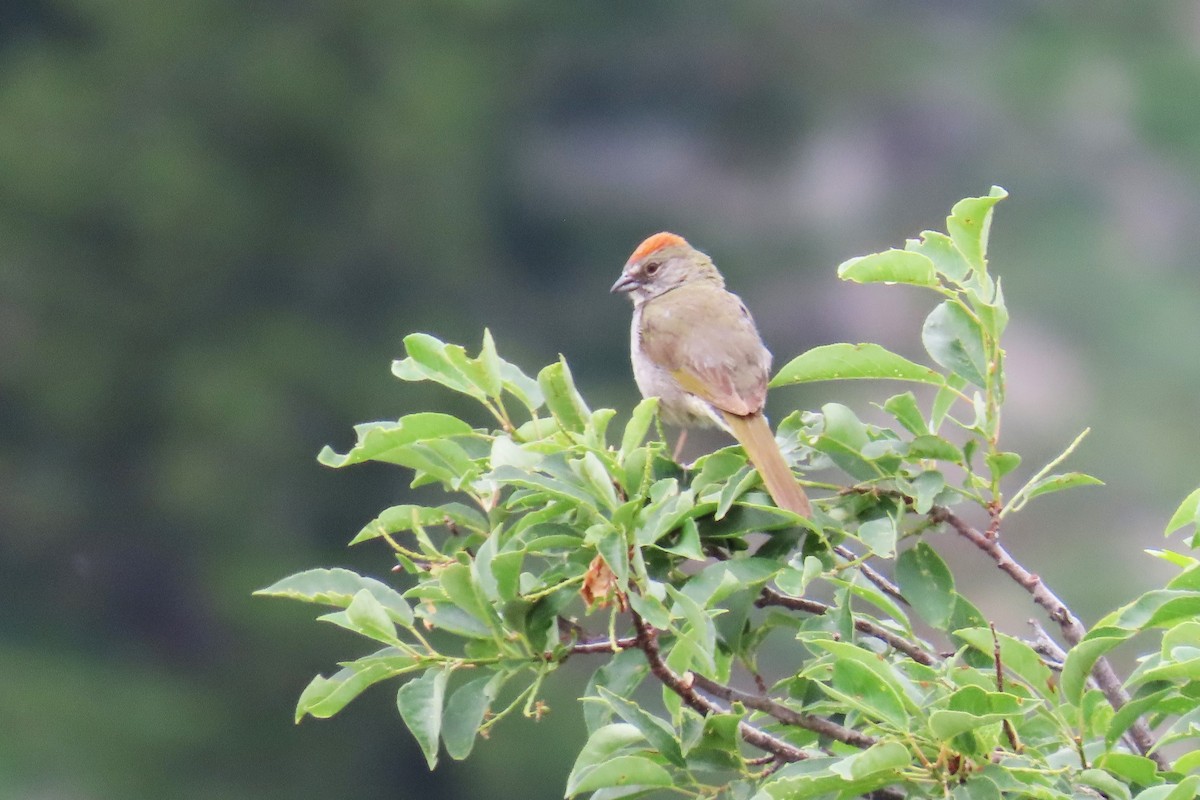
(954,340)
(401,518)
(379,441)
(939,248)
(850,362)
(969,223)
(890,266)
(420,704)
(926,583)
(428,359)
(337,587)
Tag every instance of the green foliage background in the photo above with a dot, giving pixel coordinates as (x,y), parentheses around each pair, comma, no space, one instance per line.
(218,219)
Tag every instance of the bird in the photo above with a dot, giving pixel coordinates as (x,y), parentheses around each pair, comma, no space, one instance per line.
(696,348)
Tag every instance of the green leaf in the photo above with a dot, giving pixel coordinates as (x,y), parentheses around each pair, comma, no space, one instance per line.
(562,398)
(639,425)
(521,386)
(939,248)
(1132,711)
(657,732)
(926,487)
(1001,464)
(860,685)
(1156,608)
(324,697)
(934,447)
(1133,768)
(420,704)
(337,587)
(890,266)
(1017,657)
(1083,656)
(972,707)
(367,616)
(1057,483)
(1111,788)
(853,361)
(880,676)
(464,714)
(881,757)
(879,535)
(968,225)
(955,340)
(459,585)
(382,441)
(904,408)
(1186,514)
(605,742)
(429,359)
(401,518)
(620,771)
(490,366)
(927,584)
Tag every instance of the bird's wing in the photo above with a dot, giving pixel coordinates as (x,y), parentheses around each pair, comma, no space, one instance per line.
(705,338)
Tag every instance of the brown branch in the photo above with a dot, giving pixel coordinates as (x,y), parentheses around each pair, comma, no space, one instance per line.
(771,597)
(786,715)
(883,584)
(647,640)
(1072,629)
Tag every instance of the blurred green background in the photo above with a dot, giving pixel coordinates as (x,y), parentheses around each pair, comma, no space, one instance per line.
(218,220)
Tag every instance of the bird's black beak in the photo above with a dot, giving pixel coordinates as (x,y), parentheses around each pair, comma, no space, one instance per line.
(625,283)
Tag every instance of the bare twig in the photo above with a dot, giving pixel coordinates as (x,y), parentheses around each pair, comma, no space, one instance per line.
(771,597)
(784,714)
(884,585)
(1072,629)
(647,640)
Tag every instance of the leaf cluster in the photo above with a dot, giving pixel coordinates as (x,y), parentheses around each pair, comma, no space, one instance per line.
(744,651)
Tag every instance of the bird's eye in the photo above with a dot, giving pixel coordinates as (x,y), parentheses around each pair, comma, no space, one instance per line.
(652,267)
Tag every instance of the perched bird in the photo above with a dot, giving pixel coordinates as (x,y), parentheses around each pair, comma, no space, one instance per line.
(696,348)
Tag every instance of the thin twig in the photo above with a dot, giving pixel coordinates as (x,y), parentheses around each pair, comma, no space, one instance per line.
(884,585)
(1072,629)
(647,640)
(784,714)
(771,597)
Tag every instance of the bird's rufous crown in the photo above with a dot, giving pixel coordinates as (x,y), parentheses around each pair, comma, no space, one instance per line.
(657,242)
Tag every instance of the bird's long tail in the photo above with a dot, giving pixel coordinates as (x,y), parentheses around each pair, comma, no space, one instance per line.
(755,436)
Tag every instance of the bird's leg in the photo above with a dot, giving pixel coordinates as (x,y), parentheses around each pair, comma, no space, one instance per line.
(679,445)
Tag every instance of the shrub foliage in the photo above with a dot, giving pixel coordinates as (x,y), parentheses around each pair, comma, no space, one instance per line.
(743,651)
